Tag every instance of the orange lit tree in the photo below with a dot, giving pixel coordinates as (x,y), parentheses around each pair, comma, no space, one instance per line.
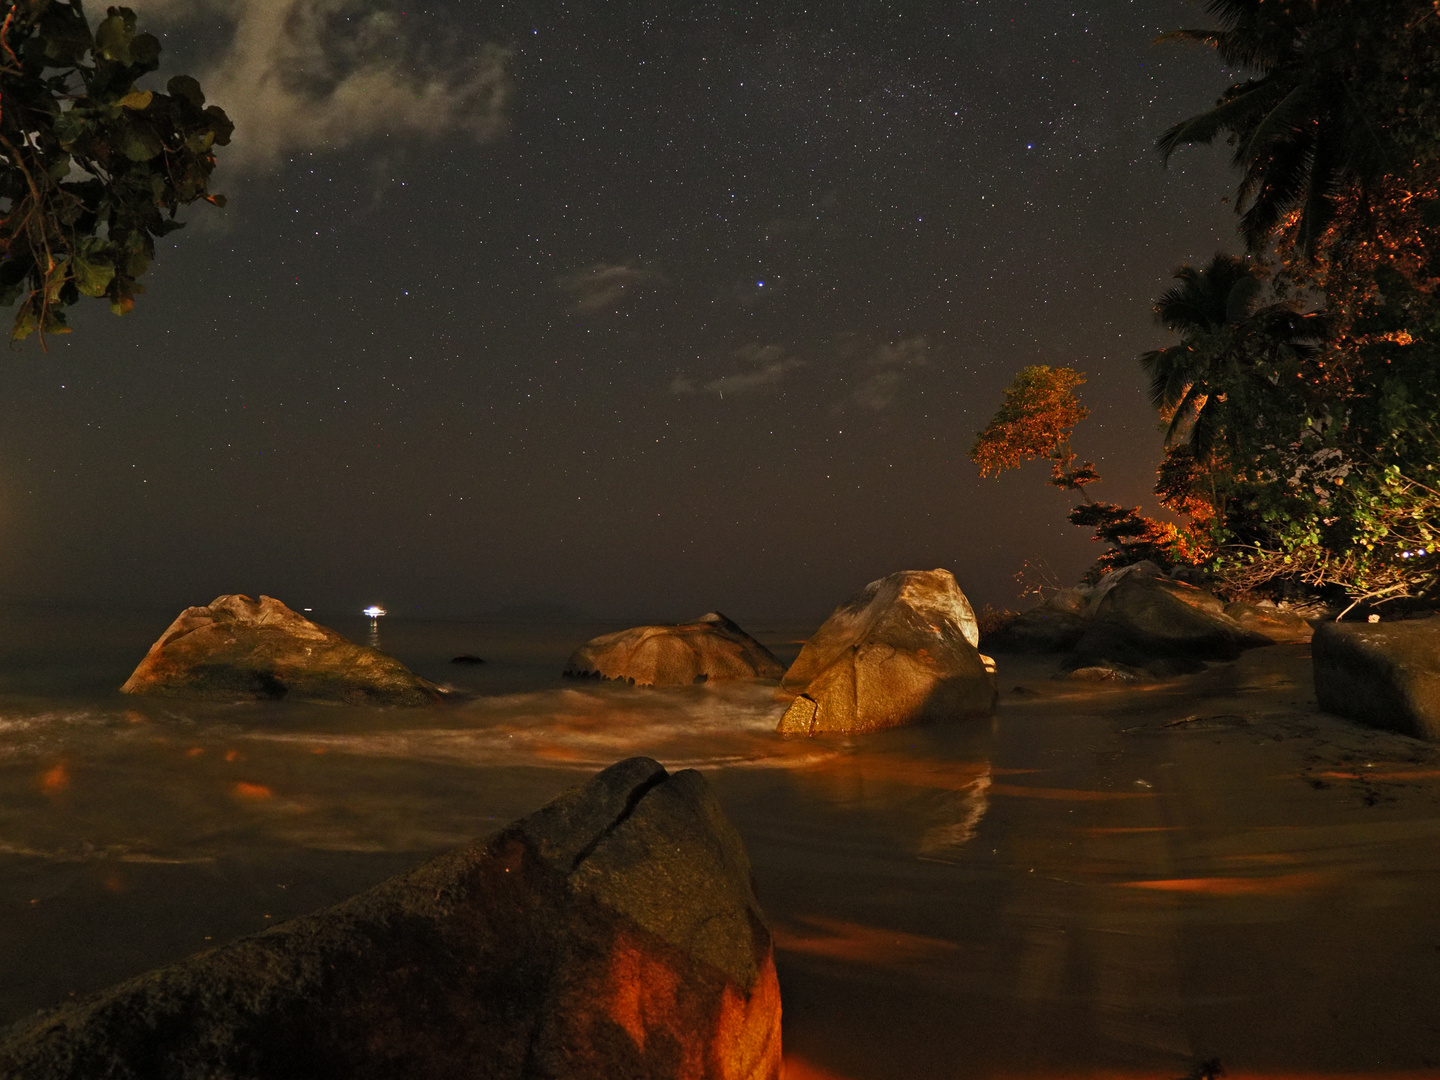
(1034,423)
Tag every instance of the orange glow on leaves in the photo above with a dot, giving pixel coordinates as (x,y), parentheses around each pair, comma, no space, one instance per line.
(252,791)
(234,755)
(195,751)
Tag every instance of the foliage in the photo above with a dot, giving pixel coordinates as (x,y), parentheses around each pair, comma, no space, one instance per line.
(1210,384)
(1301,130)
(991,620)
(92,169)
(1316,467)
(1035,422)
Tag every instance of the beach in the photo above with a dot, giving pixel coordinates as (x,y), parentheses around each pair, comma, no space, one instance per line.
(1099,880)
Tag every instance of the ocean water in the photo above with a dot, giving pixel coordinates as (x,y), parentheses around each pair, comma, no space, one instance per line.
(1126,883)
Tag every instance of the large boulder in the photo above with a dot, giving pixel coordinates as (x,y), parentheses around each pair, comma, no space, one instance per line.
(613,933)
(239,649)
(901,651)
(1042,629)
(1280,626)
(1385,674)
(1161,626)
(709,649)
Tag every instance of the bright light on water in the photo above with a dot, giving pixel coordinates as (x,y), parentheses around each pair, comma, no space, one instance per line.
(374,611)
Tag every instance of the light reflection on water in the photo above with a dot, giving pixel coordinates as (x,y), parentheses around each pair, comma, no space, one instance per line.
(1046,894)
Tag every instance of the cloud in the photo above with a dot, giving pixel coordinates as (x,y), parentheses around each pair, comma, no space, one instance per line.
(301,75)
(881,372)
(604,285)
(763,368)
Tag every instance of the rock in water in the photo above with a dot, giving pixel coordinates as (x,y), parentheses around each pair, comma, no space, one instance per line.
(239,649)
(901,651)
(1282,627)
(1040,630)
(1165,627)
(710,649)
(613,933)
(1385,675)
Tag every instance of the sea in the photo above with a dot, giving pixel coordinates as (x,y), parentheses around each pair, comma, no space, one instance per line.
(1092,882)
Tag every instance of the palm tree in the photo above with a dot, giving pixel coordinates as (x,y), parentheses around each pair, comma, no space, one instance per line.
(1301,135)
(1221,358)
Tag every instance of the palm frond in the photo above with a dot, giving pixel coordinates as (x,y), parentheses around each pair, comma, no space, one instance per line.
(1277,185)
(1236,114)
(1171,372)
(1327,174)
(1291,117)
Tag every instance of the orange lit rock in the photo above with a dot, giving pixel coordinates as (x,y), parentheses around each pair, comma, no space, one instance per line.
(239,649)
(901,651)
(613,933)
(710,649)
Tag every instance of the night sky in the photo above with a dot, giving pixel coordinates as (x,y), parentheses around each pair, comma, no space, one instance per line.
(633,307)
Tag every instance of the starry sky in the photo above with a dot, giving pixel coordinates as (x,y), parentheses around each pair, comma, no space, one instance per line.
(634,308)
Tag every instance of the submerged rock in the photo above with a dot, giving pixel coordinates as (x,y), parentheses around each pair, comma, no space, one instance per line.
(239,649)
(613,933)
(1385,675)
(901,651)
(709,649)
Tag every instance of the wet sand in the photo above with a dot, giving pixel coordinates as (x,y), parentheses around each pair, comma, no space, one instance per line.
(1100,881)
(1204,870)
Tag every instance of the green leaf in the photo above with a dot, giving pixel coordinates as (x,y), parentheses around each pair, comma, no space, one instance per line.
(145,51)
(137,99)
(140,144)
(183,86)
(112,37)
(93,277)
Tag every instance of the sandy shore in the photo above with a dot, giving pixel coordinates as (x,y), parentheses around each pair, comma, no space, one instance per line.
(1097,881)
(1163,876)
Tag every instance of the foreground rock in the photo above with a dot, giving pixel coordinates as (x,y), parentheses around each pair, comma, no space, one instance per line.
(239,649)
(613,933)
(902,651)
(1145,624)
(710,649)
(1386,674)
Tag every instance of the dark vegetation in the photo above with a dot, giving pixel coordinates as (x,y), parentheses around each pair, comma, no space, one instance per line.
(92,168)
(1300,399)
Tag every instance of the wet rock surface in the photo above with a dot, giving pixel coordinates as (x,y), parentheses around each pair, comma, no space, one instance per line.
(612,933)
(1385,675)
(1162,627)
(1280,626)
(239,649)
(902,651)
(709,649)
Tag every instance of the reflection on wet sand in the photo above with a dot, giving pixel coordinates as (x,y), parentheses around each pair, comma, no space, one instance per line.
(1280,885)
(854,943)
(1100,883)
